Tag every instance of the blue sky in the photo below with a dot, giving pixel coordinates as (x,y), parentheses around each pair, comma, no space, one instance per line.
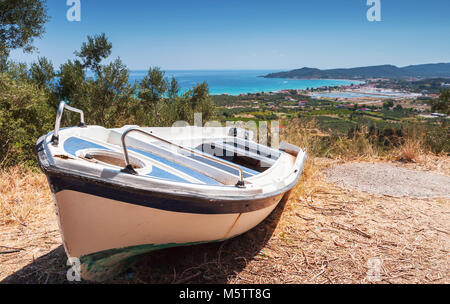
(247,34)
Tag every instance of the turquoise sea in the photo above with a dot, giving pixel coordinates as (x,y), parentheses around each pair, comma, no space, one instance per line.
(235,82)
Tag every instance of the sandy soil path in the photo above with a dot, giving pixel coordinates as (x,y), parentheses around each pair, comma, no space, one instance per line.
(388,179)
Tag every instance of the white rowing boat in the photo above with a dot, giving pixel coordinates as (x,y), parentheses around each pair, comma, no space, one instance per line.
(126,191)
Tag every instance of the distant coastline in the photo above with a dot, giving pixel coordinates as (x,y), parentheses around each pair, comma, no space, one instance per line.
(360,80)
(237,82)
(433,70)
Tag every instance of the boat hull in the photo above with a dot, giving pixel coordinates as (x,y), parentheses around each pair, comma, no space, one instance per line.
(105,233)
(108,217)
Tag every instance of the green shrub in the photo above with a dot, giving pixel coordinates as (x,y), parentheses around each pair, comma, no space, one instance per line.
(24,116)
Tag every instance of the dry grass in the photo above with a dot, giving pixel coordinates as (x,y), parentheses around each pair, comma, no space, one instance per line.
(358,147)
(321,234)
(24,196)
(27,220)
(309,141)
(411,150)
(303,133)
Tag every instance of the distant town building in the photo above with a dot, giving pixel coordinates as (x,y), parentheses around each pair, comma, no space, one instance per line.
(433,115)
(438,115)
(288,98)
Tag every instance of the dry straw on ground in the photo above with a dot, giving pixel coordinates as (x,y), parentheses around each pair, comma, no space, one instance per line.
(321,234)
(24,197)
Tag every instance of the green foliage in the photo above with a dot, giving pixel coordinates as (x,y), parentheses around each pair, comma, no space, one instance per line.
(71,80)
(152,90)
(24,111)
(224,100)
(266,116)
(94,51)
(3,63)
(105,98)
(398,107)
(427,86)
(109,100)
(388,104)
(160,104)
(18,71)
(24,116)
(174,89)
(436,136)
(29,98)
(42,72)
(20,22)
(200,102)
(109,96)
(442,105)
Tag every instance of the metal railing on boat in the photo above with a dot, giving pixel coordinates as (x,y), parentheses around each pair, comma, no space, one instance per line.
(129,168)
(63,105)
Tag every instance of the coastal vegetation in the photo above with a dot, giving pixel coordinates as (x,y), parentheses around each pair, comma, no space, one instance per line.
(29,94)
(442,104)
(21,21)
(386,125)
(428,85)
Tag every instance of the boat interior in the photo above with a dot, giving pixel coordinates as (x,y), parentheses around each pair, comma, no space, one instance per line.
(188,155)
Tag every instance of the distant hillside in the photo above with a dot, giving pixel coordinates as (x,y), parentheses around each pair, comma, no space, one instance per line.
(379,71)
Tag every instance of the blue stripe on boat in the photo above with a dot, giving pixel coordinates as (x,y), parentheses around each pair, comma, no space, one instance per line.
(197,175)
(74,144)
(163,174)
(247,172)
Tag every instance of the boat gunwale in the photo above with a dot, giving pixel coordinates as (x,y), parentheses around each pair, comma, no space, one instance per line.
(204,203)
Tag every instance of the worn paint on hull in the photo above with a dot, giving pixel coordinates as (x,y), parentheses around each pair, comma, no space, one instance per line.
(107,264)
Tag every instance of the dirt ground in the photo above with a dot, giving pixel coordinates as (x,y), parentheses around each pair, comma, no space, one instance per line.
(388,179)
(322,234)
